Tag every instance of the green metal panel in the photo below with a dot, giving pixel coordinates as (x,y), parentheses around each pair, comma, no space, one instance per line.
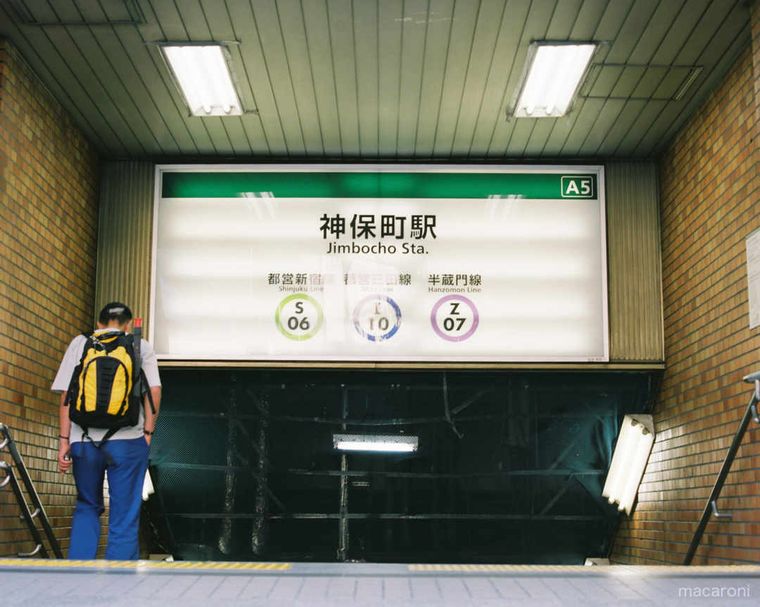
(634,262)
(124,236)
(366,185)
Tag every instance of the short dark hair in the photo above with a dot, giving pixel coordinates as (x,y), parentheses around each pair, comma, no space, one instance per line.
(115,311)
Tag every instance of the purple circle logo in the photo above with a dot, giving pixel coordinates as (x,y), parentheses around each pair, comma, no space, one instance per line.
(454,318)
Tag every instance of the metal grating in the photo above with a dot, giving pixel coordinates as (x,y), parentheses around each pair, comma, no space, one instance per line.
(244,465)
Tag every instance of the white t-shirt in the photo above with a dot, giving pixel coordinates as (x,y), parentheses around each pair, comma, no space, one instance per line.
(66,370)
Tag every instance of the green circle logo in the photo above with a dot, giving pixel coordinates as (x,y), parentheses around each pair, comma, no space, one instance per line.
(299,317)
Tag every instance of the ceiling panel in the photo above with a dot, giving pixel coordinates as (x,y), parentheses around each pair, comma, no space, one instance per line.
(536,23)
(432,75)
(719,52)
(611,17)
(377,78)
(267,133)
(414,24)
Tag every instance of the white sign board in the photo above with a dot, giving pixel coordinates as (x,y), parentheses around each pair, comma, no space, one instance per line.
(380,263)
(753,278)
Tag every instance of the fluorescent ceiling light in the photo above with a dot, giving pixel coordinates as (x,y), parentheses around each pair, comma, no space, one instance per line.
(202,74)
(375,442)
(631,454)
(553,77)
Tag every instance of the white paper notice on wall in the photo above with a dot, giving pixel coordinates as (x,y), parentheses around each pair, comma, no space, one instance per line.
(380,263)
(753,278)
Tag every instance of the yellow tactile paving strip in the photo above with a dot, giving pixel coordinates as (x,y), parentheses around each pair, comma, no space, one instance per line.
(669,570)
(496,568)
(657,569)
(145,565)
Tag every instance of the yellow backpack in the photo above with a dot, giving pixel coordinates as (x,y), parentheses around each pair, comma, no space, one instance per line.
(102,392)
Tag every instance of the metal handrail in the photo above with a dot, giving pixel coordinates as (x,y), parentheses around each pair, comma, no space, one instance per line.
(711,508)
(26,513)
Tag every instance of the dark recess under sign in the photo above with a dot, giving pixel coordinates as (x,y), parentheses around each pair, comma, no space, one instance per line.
(510,465)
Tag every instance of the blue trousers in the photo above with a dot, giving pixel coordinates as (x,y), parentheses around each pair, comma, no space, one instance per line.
(126,462)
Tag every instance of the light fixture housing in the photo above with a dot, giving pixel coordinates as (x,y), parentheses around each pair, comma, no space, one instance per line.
(554,75)
(204,77)
(376,443)
(629,460)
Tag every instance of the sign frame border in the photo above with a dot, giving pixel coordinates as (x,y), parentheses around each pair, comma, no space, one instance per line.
(472,362)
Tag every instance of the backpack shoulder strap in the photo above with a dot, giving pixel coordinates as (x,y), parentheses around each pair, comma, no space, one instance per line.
(106,436)
(141,386)
(146,390)
(88,340)
(139,375)
(88,343)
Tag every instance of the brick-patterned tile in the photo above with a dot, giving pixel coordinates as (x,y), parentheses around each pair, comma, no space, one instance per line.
(710,197)
(48,231)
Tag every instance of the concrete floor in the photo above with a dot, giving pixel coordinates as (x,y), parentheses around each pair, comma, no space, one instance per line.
(42,582)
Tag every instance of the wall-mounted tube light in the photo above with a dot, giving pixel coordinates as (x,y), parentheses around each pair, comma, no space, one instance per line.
(204,78)
(378,443)
(631,454)
(555,72)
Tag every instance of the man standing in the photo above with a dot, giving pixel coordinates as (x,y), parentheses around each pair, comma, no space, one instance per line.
(122,452)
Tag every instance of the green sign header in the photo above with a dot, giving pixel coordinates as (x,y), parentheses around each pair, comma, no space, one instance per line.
(419,184)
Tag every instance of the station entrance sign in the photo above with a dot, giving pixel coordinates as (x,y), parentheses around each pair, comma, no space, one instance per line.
(380,263)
